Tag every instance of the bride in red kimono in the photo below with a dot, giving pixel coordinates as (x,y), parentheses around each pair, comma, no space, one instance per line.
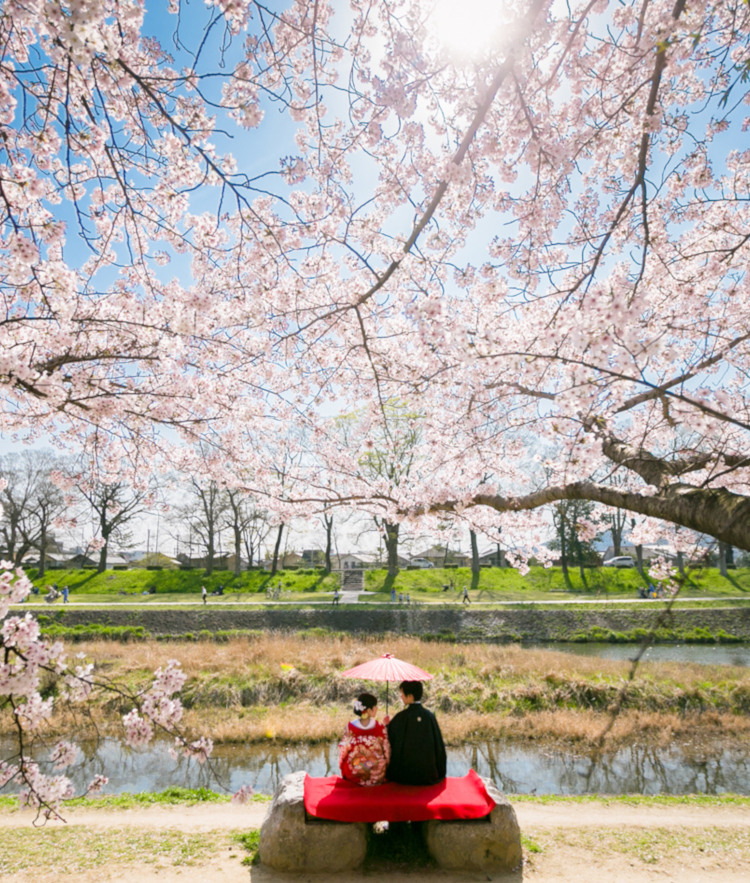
(364,752)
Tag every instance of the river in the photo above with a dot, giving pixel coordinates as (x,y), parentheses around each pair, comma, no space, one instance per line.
(700,654)
(516,768)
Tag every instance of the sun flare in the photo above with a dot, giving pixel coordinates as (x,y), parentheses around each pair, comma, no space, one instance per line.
(467,27)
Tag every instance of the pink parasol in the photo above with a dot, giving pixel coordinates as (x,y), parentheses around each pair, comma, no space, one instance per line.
(387,668)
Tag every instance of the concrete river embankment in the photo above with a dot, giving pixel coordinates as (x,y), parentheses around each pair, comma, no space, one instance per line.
(527,624)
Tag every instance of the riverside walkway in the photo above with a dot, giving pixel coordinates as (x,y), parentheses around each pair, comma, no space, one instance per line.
(364,597)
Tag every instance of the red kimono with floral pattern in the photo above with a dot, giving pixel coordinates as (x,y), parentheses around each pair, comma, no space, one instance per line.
(364,754)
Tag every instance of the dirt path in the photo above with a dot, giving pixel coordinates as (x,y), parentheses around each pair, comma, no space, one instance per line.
(564,843)
(531,816)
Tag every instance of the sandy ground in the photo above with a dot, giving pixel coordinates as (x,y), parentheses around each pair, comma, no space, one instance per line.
(560,862)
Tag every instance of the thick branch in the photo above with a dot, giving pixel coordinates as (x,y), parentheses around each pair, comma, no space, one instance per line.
(713,511)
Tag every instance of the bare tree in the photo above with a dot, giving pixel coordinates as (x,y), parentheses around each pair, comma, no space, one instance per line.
(204,512)
(31,503)
(17,472)
(256,533)
(114,506)
(48,505)
(247,523)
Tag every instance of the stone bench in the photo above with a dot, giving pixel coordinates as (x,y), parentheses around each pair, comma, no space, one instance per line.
(293,842)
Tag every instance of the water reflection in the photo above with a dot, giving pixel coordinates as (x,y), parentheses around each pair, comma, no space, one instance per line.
(701,654)
(517,769)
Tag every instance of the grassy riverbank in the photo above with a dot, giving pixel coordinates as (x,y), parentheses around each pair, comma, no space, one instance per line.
(288,689)
(425,586)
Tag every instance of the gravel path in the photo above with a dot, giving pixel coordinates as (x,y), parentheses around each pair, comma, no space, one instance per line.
(563,830)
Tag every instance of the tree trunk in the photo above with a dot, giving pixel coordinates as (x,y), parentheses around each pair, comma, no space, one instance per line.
(563,550)
(210,553)
(42,553)
(237,550)
(474,552)
(639,559)
(681,563)
(616,541)
(579,552)
(249,549)
(391,545)
(103,555)
(328,521)
(275,561)
(723,559)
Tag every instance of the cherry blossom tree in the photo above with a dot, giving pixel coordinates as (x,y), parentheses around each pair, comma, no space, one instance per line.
(220,222)
(29,659)
(542,237)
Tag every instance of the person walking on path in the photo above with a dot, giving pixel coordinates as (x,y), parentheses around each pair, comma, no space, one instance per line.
(204,594)
(466,599)
(66,592)
(336,596)
(393,595)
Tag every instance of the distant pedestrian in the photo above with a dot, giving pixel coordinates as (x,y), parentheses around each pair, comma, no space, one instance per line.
(336,597)
(400,597)
(393,595)
(204,594)
(66,592)
(466,599)
(408,597)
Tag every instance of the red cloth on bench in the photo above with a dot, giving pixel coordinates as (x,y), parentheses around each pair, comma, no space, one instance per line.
(336,799)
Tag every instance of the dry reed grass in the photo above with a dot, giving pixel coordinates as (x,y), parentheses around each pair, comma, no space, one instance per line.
(235,691)
(306,724)
(324,656)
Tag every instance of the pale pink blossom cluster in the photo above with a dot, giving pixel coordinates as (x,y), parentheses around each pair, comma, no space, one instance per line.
(200,749)
(586,530)
(63,755)
(27,657)
(660,570)
(242,796)
(96,784)
(42,791)
(138,730)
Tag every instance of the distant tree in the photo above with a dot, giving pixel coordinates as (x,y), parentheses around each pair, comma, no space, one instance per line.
(203,511)
(568,517)
(31,503)
(49,504)
(256,533)
(387,455)
(247,524)
(17,472)
(114,505)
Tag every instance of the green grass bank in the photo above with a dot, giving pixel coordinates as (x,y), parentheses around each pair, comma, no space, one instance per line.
(424,586)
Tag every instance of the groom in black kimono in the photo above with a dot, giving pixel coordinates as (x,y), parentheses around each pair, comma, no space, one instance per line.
(417,749)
